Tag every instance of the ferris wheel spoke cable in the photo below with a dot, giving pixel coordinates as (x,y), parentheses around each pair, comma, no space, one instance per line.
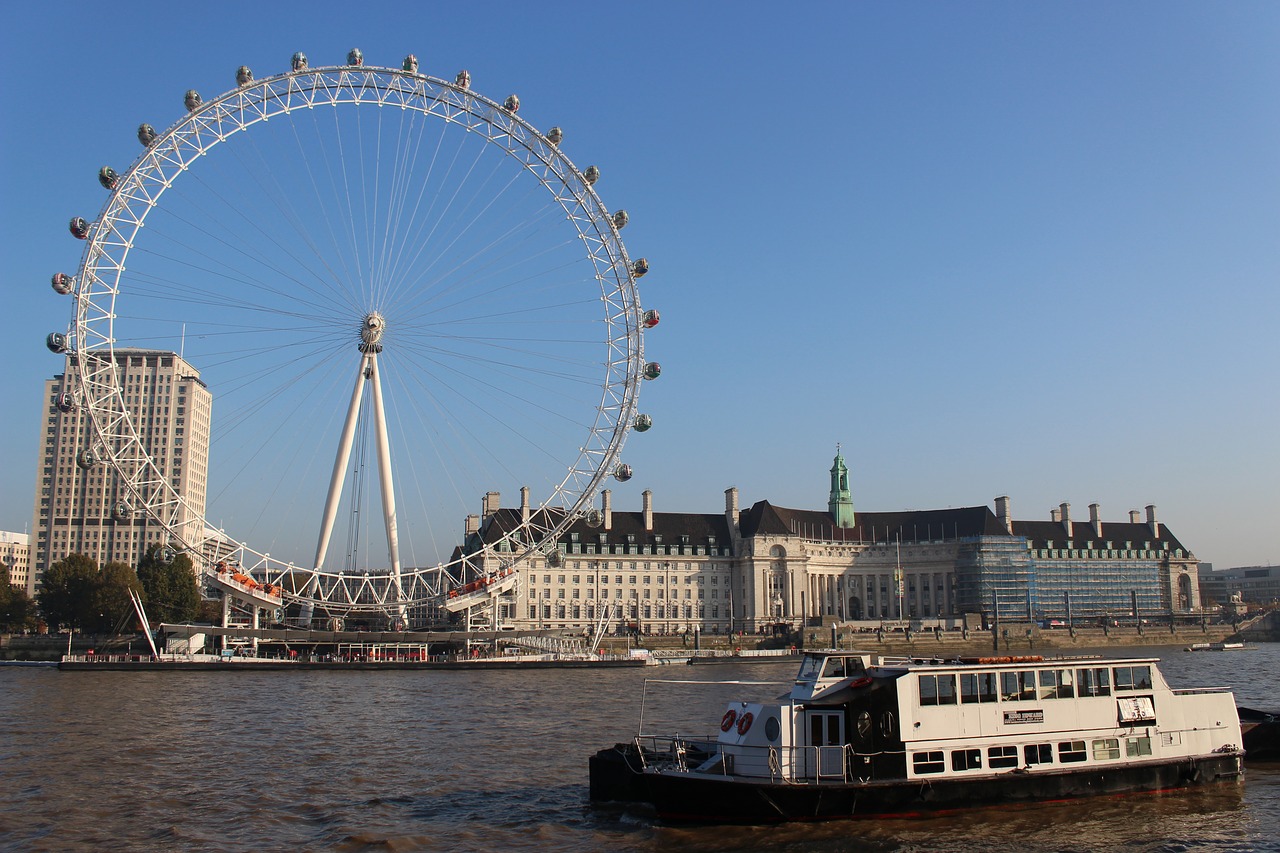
(180,286)
(411,236)
(452,457)
(434,287)
(331,279)
(360,277)
(288,375)
(462,232)
(398,198)
(322,323)
(520,369)
(270,189)
(256,443)
(495,416)
(438,302)
(305,158)
(301,375)
(419,476)
(429,240)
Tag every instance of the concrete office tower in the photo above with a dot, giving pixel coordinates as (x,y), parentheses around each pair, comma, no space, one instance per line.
(77,510)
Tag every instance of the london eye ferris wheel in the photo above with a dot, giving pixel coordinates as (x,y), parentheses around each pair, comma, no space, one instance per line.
(400,294)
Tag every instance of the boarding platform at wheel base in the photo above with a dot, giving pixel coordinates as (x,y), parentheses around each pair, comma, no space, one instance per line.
(241,586)
(479,590)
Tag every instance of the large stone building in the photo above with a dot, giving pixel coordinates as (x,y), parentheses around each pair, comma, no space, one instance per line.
(76,508)
(769,565)
(16,554)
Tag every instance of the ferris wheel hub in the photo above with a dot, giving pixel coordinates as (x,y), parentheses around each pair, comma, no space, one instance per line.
(371,329)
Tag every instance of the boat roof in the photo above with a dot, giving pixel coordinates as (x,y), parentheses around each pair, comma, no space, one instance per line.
(992,660)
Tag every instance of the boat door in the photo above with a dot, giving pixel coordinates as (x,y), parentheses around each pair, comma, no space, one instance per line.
(824,757)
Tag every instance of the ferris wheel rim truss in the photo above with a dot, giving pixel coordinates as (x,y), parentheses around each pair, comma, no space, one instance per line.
(117,441)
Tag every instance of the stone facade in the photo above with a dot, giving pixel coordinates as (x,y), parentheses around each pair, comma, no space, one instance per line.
(772,566)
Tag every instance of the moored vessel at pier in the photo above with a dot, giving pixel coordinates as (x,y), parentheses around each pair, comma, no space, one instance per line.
(861,736)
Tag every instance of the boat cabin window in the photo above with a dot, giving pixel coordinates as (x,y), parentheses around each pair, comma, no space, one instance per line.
(843,668)
(1132,678)
(809,668)
(1018,686)
(1094,682)
(977,687)
(1056,684)
(1072,750)
(1037,753)
(1136,747)
(1002,756)
(938,689)
(1106,749)
(966,759)
(928,762)
(863,725)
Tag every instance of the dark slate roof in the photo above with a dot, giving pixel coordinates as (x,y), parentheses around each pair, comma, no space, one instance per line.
(907,526)
(765,519)
(1039,533)
(671,526)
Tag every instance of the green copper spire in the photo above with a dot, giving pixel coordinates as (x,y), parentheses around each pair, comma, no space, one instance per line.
(840,503)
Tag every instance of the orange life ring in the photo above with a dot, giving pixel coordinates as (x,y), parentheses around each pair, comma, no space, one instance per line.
(860,682)
(727,721)
(744,724)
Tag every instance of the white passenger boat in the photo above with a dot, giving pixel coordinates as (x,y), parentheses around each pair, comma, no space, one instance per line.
(861,736)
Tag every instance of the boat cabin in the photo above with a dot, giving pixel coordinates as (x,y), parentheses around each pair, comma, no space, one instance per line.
(858,717)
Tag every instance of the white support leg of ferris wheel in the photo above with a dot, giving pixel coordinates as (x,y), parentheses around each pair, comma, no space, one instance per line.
(336,481)
(388,493)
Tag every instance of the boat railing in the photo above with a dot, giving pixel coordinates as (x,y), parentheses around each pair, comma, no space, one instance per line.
(788,764)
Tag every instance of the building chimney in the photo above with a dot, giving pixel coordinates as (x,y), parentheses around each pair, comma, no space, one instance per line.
(1135,517)
(492,500)
(606,507)
(524,504)
(1065,509)
(731,509)
(1151,521)
(473,524)
(1095,518)
(646,498)
(1055,515)
(1002,513)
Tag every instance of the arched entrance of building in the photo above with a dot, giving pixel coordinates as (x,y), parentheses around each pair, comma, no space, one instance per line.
(1184,591)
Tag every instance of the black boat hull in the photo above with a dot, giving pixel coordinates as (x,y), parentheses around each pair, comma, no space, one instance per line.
(679,797)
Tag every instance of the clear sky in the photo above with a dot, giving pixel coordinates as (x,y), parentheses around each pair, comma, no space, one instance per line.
(991,248)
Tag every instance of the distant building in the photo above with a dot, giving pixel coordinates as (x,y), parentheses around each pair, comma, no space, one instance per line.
(16,554)
(86,510)
(769,565)
(1256,585)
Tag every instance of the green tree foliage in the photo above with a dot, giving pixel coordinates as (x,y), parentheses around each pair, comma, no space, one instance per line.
(67,592)
(169,587)
(17,611)
(75,594)
(115,608)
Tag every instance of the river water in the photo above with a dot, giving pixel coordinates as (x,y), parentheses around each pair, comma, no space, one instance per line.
(402,760)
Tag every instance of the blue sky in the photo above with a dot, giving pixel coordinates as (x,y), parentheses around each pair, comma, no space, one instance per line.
(990,248)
